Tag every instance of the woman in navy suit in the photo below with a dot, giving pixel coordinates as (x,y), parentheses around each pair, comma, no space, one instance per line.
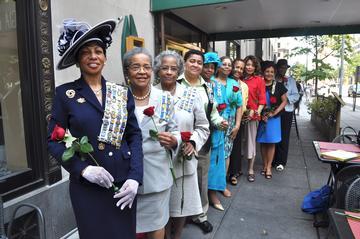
(104,112)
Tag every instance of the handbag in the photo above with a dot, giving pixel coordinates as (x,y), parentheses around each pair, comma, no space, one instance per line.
(317,201)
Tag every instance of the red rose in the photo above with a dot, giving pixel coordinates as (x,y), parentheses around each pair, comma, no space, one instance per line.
(149,111)
(256,116)
(185,136)
(58,133)
(273,100)
(221,107)
(235,88)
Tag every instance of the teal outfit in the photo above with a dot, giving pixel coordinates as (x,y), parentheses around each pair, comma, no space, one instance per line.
(235,101)
(221,145)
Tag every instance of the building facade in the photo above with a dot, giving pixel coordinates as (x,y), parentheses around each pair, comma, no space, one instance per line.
(29,30)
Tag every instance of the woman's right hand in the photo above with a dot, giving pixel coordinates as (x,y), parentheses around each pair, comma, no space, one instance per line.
(223,125)
(245,118)
(98,175)
(251,114)
(167,140)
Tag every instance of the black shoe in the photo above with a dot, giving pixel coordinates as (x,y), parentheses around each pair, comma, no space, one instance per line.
(205,226)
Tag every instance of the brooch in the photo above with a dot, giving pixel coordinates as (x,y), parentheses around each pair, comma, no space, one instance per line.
(70,93)
(101,146)
(81,100)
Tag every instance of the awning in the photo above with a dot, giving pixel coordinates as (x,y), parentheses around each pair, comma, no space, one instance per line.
(231,20)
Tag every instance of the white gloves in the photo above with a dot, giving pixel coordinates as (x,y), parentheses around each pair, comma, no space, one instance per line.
(103,178)
(127,193)
(98,175)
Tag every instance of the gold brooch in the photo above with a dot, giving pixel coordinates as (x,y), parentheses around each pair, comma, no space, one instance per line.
(81,100)
(101,146)
(70,93)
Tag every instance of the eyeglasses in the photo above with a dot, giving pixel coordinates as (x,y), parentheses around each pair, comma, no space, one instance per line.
(137,68)
(167,68)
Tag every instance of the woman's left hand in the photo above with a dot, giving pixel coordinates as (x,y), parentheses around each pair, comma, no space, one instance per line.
(127,193)
(167,140)
(234,132)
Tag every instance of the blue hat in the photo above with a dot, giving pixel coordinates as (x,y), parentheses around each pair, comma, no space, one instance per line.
(212,57)
(75,34)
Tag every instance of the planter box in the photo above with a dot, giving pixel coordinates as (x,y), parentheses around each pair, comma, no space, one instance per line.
(327,129)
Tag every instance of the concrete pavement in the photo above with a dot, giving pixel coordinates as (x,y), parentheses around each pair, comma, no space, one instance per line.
(271,208)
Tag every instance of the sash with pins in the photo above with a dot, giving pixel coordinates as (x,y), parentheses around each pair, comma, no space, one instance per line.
(187,99)
(165,111)
(115,115)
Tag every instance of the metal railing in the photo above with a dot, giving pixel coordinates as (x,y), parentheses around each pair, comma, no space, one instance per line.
(41,220)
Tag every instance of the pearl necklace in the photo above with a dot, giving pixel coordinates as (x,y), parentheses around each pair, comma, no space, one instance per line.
(142,97)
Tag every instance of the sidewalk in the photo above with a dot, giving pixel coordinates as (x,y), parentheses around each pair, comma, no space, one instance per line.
(350,117)
(271,208)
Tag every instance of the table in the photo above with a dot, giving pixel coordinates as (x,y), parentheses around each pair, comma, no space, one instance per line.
(335,164)
(340,224)
(334,146)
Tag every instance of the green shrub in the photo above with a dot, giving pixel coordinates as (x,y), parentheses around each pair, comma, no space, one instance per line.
(325,108)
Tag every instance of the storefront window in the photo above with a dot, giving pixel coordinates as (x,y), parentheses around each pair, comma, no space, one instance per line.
(13,158)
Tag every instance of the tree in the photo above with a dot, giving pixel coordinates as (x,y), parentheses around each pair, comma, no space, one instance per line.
(320,48)
(352,64)
(298,71)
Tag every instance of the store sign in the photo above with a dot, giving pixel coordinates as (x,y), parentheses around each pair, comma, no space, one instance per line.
(7,16)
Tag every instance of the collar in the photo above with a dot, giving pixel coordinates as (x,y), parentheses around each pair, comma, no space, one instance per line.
(182,78)
(84,90)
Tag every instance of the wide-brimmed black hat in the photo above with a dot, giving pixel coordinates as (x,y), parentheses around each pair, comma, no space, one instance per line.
(75,34)
(282,62)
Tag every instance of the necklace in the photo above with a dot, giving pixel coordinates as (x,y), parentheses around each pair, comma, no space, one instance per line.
(97,92)
(142,97)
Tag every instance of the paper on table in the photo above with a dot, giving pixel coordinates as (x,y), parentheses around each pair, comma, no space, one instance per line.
(354,224)
(340,155)
(326,146)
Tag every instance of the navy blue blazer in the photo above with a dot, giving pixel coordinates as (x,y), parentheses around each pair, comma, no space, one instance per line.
(85,119)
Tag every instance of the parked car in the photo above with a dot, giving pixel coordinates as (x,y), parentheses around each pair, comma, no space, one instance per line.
(351,90)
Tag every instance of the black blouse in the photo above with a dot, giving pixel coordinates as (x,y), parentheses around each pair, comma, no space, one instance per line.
(280,89)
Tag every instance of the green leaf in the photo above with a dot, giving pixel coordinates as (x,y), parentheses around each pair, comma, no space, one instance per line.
(76,147)
(153,134)
(68,141)
(86,148)
(68,154)
(84,140)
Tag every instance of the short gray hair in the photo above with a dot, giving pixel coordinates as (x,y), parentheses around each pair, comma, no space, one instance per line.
(159,58)
(130,54)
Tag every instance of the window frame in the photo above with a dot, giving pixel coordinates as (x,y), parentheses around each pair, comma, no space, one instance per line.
(33,26)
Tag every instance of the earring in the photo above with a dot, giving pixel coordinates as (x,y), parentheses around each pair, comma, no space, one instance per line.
(127,80)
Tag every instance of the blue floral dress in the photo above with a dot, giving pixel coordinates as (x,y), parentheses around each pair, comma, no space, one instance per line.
(221,144)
